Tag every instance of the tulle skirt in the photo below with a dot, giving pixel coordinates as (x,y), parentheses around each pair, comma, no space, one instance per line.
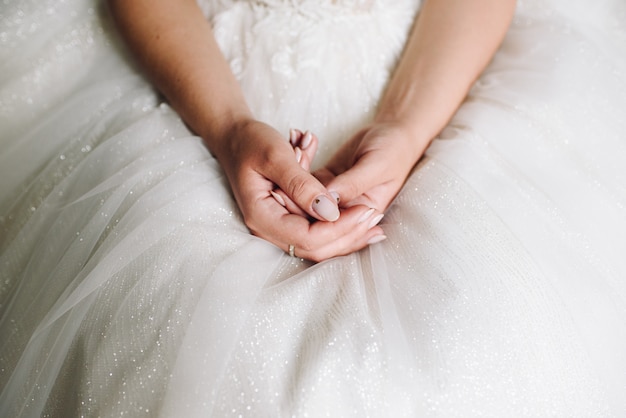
(130,285)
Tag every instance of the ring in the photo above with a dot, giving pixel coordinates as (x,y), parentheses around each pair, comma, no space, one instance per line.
(292,250)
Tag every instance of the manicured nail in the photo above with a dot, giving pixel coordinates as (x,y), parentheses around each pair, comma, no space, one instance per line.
(306,141)
(298,154)
(377,238)
(278,198)
(375,220)
(366,215)
(335,195)
(325,208)
(293,137)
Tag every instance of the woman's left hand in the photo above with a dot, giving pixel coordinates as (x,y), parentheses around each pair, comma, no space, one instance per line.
(443,57)
(373,165)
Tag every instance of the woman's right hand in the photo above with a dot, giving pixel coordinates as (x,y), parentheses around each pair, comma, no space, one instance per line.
(257,160)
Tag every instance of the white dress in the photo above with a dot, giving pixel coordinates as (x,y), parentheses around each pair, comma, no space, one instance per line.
(129,285)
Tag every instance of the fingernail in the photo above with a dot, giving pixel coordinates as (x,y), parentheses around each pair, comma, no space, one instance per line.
(325,208)
(298,154)
(366,215)
(335,195)
(278,198)
(375,220)
(293,136)
(377,238)
(306,141)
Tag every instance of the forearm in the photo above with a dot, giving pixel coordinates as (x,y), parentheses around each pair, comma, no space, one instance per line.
(451,43)
(175,45)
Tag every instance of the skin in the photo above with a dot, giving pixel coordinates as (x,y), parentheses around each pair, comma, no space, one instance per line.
(450,44)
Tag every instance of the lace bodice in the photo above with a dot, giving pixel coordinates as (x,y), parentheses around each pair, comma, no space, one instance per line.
(306,7)
(358,4)
(339,49)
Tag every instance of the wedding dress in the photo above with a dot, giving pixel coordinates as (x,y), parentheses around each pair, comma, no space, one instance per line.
(130,285)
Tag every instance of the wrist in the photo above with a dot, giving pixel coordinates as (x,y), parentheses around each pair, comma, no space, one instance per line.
(219,131)
(415,139)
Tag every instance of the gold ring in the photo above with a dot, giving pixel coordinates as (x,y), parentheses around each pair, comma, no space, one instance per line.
(292,250)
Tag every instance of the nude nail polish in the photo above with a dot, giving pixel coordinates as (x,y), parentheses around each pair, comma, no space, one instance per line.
(365,216)
(293,137)
(377,238)
(306,141)
(298,152)
(375,220)
(325,208)
(335,195)
(278,198)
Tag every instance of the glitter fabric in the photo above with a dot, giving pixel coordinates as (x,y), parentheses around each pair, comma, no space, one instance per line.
(129,285)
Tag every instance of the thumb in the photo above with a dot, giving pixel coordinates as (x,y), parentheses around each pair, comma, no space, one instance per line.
(363,176)
(304,189)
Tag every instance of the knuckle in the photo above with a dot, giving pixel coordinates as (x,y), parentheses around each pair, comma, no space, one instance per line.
(306,246)
(320,255)
(251,223)
(353,190)
(315,255)
(272,155)
(359,184)
(317,258)
(297,187)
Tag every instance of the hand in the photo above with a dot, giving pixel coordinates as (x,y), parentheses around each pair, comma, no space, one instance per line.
(373,165)
(257,159)
(305,146)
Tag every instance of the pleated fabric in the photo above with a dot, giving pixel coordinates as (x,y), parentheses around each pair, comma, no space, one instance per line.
(130,286)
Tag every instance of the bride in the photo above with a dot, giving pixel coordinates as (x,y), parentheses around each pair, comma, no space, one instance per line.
(159,260)
(443,56)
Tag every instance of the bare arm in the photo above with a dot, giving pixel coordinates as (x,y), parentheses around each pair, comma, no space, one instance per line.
(450,44)
(175,44)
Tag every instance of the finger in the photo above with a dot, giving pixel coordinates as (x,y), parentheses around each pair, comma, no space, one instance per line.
(366,174)
(294,137)
(298,154)
(359,230)
(305,146)
(324,175)
(319,240)
(287,203)
(297,138)
(365,200)
(308,145)
(302,158)
(346,245)
(302,188)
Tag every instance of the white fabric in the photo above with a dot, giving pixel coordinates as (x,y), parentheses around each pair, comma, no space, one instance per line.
(130,286)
